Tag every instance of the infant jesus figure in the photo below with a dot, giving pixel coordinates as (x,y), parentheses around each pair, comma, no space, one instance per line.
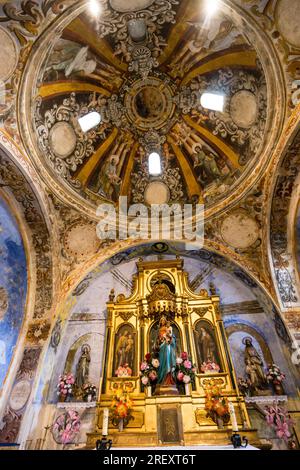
(168,336)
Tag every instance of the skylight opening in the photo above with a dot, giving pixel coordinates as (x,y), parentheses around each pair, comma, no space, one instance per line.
(89,121)
(213,101)
(212,6)
(154,164)
(94,7)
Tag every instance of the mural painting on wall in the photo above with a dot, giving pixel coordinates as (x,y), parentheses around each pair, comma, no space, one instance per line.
(13,287)
(125,351)
(19,396)
(206,347)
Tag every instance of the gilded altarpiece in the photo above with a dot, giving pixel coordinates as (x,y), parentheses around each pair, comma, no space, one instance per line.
(161,288)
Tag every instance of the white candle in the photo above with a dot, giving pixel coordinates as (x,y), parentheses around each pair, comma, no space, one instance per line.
(105,422)
(233,417)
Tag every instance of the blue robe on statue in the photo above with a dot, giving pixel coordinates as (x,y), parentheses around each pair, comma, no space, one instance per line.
(167,359)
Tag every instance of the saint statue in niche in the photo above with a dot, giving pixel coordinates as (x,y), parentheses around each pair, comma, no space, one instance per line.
(166,348)
(206,346)
(124,355)
(83,366)
(254,366)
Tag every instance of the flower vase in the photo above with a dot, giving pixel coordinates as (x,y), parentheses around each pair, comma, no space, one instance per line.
(149,391)
(187,389)
(220,422)
(89,398)
(121,424)
(278,389)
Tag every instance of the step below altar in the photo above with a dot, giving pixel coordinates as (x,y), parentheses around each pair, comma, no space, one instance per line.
(171,421)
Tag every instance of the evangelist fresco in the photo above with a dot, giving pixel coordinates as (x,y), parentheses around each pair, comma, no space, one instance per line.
(13,287)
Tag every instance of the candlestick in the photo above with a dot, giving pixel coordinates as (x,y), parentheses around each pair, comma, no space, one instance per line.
(233,417)
(105,422)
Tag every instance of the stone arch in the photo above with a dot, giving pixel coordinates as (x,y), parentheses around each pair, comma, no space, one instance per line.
(19,185)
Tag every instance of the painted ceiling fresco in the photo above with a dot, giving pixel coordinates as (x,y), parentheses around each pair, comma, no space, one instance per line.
(144,71)
(13,287)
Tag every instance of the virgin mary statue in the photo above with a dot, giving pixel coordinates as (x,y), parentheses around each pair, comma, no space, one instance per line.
(166,347)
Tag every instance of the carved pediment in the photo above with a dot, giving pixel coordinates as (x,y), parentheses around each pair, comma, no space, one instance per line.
(161,292)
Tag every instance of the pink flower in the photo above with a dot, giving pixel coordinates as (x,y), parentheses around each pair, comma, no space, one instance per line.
(180,376)
(144,366)
(145,380)
(187,364)
(186,379)
(153,375)
(283,431)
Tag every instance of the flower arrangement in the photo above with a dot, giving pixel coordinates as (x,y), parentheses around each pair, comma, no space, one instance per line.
(65,386)
(274,374)
(244,386)
(89,392)
(66,427)
(185,369)
(278,418)
(121,407)
(148,369)
(216,405)
(209,367)
(124,371)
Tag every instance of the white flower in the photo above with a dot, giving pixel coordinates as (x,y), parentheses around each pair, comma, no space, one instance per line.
(186,379)
(155,363)
(145,380)
(179,360)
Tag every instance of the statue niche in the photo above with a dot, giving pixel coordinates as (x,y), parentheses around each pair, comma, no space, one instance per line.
(83,367)
(206,344)
(124,355)
(165,343)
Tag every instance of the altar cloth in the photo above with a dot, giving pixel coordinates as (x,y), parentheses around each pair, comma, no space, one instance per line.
(184,448)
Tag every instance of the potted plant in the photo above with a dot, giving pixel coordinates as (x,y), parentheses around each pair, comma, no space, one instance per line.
(216,405)
(89,392)
(185,372)
(244,386)
(124,371)
(149,371)
(121,408)
(65,387)
(210,367)
(275,377)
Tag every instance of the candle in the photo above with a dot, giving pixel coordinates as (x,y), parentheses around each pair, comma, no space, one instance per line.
(233,417)
(105,422)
